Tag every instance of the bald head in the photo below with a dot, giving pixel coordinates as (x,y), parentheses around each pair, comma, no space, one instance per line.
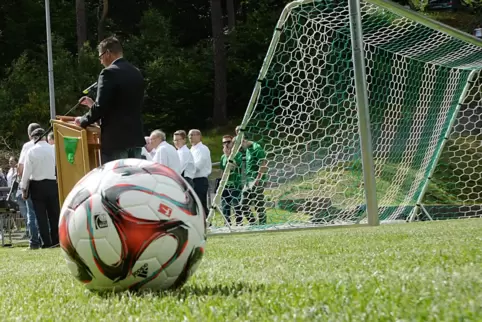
(158,134)
(50,138)
(194,136)
(156,138)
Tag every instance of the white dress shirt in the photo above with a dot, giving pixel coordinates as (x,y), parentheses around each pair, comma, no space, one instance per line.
(25,148)
(21,160)
(39,163)
(166,154)
(187,162)
(146,153)
(202,160)
(10,175)
(478,32)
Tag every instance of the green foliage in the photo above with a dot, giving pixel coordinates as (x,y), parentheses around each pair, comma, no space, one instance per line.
(457,178)
(24,96)
(176,60)
(474,4)
(170,72)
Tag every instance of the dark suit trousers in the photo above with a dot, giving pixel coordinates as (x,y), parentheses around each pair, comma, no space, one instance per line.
(45,199)
(189,180)
(108,156)
(201,187)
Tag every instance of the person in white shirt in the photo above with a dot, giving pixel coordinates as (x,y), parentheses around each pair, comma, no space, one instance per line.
(3,179)
(11,178)
(188,170)
(147,151)
(166,154)
(39,177)
(50,138)
(145,154)
(202,162)
(31,217)
(478,32)
(12,172)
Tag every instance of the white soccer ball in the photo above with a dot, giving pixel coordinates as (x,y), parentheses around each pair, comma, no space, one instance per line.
(132,224)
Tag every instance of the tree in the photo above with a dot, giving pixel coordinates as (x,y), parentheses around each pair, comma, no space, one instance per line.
(231,15)
(81,23)
(220,90)
(103,16)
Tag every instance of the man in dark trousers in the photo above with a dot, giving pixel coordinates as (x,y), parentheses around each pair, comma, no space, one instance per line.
(118,106)
(39,177)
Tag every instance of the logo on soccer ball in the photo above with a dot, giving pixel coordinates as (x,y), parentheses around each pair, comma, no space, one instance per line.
(142,272)
(165,210)
(100,221)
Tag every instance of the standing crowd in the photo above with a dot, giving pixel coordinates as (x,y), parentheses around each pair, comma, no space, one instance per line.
(118,109)
(37,193)
(245,185)
(193,164)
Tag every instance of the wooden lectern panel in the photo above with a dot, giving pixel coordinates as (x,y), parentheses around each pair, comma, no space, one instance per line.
(86,156)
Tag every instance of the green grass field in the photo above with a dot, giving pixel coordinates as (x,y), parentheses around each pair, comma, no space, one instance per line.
(417,272)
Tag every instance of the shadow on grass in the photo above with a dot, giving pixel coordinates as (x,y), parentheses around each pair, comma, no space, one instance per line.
(233,290)
(188,291)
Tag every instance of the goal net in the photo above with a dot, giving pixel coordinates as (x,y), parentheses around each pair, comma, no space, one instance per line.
(423,80)
(455,189)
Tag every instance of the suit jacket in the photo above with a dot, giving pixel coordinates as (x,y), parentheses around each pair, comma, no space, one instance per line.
(118,106)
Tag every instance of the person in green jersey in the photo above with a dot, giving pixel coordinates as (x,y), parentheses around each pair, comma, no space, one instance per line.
(253,191)
(232,191)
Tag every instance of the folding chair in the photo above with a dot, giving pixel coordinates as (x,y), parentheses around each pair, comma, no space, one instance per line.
(8,210)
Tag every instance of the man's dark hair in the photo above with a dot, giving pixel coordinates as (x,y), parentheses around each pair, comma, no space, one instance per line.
(38,133)
(32,127)
(111,44)
(181,133)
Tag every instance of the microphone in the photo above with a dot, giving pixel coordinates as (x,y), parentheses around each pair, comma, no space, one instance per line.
(88,89)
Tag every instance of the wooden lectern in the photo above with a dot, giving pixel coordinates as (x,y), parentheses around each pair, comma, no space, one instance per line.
(85,158)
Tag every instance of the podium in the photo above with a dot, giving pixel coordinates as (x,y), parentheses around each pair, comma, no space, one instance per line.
(77,152)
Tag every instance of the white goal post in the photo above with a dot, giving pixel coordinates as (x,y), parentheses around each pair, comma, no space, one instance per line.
(419,95)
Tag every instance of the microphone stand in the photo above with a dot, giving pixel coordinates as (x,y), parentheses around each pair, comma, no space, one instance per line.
(88,89)
(85,91)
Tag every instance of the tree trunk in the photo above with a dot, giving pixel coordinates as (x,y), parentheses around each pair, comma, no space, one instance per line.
(103,16)
(231,15)
(220,94)
(81,23)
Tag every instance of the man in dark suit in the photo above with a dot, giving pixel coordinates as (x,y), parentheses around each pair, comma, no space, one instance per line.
(118,106)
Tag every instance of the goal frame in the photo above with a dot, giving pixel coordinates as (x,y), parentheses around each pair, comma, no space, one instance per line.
(372,211)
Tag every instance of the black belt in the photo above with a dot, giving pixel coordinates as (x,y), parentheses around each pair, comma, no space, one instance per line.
(43,180)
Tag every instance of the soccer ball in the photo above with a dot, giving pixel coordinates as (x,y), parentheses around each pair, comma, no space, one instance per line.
(132,224)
